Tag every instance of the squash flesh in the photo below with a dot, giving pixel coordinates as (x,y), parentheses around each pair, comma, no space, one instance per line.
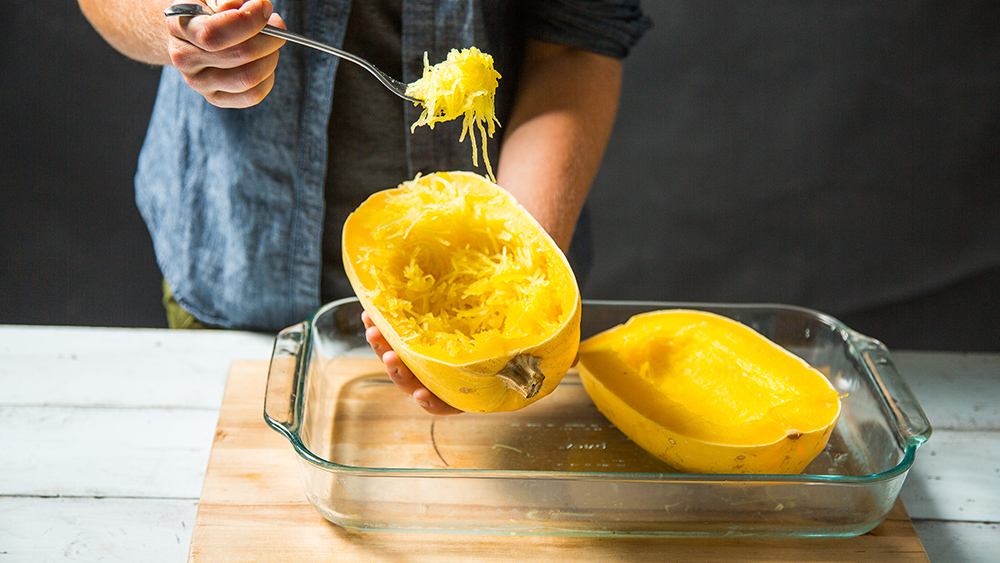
(462,281)
(707,394)
(458,283)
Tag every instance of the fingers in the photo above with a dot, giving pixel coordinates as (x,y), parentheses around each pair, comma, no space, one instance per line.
(190,57)
(224,57)
(230,25)
(401,375)
(240,87)
(243,99)
(432,404)
(220,5)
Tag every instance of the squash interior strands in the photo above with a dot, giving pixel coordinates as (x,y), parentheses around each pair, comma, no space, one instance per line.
(459,288)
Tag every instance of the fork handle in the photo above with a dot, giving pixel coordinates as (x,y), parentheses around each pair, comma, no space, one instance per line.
(391,83)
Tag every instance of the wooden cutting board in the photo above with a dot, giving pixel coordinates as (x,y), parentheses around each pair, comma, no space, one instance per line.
(253,509)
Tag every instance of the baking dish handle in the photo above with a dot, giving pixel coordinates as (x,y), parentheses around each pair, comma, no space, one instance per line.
(283,378)
(910,418)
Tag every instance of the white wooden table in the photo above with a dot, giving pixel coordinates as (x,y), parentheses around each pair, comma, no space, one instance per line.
(105,435)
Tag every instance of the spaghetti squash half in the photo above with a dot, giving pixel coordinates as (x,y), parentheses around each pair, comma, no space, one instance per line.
(468,289)
(707,394)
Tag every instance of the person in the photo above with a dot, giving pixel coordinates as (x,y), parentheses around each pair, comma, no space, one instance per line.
(256,151)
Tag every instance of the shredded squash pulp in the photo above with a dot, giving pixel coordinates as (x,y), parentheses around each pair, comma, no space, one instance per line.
(458,281)
(463,85)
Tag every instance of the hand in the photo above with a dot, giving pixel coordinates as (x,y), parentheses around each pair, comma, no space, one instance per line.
(401,375)
(224,57)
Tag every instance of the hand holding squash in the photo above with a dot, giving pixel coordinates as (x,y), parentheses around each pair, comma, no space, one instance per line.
(401,375)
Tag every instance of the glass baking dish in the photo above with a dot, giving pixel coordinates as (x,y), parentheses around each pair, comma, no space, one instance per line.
(371,459)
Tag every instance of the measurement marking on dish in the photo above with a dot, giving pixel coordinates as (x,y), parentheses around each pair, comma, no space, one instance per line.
(434,443)
(600,446)
(541,514)
(511,448)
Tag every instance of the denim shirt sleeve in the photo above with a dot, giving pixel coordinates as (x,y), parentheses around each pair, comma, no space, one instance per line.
(606,27)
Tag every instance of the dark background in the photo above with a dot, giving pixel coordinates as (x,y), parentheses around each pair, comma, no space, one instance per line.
(73,112)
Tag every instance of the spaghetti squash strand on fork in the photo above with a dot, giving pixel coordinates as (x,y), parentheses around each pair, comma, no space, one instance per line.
(463,85)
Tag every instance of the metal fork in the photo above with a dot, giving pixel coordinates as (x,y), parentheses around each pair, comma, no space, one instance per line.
(395,86)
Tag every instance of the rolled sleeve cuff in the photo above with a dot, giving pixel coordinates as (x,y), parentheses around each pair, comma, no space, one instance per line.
(609,28)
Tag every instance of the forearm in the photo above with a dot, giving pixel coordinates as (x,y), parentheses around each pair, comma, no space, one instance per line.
(562,117)
(137,29)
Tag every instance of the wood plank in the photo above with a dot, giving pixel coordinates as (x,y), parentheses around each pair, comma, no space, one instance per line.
(247,465)
(288,532)
(959,542)
(956,391)
(159,531)
(76,366)
(72,451)
(956,477)
(40,530)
